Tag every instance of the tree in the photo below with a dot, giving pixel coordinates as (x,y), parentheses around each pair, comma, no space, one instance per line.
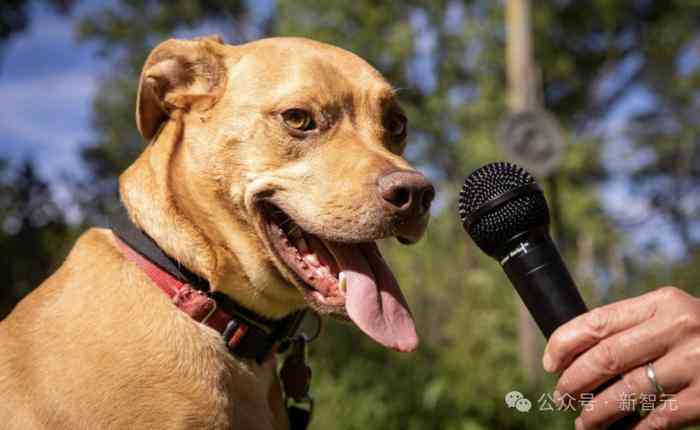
(14,16)
(446,58)
(34,236)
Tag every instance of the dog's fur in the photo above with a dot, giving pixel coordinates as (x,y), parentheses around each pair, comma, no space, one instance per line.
(97,346)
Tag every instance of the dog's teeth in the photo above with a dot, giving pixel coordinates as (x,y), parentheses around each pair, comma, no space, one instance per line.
(342,282)
(312,259)
(302,245)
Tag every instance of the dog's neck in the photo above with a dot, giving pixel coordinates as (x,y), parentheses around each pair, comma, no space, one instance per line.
(145,190)
(151,194)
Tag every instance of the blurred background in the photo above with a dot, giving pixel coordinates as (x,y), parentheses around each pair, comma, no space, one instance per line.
(617,152)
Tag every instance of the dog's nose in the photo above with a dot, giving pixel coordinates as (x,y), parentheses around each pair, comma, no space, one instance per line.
(409,193)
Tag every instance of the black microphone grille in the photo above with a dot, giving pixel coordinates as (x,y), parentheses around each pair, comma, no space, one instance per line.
(499,201)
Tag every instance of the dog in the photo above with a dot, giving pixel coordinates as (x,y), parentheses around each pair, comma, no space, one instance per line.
(271,169)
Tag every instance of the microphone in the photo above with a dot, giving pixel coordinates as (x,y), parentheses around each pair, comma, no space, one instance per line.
(504,211)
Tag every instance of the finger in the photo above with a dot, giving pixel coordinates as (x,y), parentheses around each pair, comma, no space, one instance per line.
(616,355)
(584,331)
(677,412)
(633,392)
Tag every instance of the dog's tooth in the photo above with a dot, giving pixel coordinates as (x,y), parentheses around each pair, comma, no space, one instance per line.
(302,245)
(312,259)
(342,282)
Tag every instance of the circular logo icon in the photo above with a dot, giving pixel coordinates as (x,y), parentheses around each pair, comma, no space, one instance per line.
(523,405)
(513,397)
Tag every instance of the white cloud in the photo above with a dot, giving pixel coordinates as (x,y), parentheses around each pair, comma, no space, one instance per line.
(37,109)
(47,117)
(47,84)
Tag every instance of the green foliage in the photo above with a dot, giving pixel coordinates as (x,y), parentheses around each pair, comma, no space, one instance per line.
(446,58)
(34,237)
(14,15)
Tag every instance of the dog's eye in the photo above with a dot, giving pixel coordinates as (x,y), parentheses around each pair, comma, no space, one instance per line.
(298,119)
(396,124)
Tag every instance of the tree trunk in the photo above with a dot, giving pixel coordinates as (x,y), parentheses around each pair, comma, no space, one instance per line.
(523,95)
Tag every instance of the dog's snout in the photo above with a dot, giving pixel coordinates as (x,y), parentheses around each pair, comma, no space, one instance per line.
(409,193)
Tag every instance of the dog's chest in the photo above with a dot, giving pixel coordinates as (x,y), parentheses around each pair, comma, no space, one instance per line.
(240,394)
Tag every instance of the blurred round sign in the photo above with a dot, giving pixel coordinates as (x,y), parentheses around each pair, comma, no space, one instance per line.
(532,139)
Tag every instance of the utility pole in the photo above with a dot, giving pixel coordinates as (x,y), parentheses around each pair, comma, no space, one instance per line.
(524,96)
(523,75)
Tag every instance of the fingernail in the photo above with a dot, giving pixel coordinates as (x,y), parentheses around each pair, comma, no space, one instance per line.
(579,424)
(548,363)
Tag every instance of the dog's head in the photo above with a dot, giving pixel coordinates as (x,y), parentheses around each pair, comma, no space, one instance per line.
(289,165)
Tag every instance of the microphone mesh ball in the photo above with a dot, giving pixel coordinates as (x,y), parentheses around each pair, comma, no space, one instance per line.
(522,212)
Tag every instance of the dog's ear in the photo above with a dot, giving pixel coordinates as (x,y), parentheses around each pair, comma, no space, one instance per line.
(182,75)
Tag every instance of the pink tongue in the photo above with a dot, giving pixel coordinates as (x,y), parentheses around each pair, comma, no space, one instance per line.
(373,299)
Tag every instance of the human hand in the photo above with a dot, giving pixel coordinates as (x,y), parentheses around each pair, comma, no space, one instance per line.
(661,328)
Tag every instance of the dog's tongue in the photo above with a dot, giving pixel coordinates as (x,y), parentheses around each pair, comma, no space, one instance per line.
(373,298)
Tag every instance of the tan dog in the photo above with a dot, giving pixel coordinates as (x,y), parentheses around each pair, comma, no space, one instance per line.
(271,170)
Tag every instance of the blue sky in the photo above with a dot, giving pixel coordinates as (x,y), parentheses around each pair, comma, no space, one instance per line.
(47,82)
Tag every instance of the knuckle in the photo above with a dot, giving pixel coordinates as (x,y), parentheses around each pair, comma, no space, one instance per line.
(630,383)
(691,356)
(598,321)
(694,353)
(671,294)
(688,322)
(607,358)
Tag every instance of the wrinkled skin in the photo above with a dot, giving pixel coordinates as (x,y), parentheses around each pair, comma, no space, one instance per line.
(662,328)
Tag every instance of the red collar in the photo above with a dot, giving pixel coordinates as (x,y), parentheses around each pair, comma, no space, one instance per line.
(244,336)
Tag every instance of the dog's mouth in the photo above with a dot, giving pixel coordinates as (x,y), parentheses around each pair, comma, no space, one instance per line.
(343,278)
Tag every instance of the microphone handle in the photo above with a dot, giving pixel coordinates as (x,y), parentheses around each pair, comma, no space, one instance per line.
(539,275)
